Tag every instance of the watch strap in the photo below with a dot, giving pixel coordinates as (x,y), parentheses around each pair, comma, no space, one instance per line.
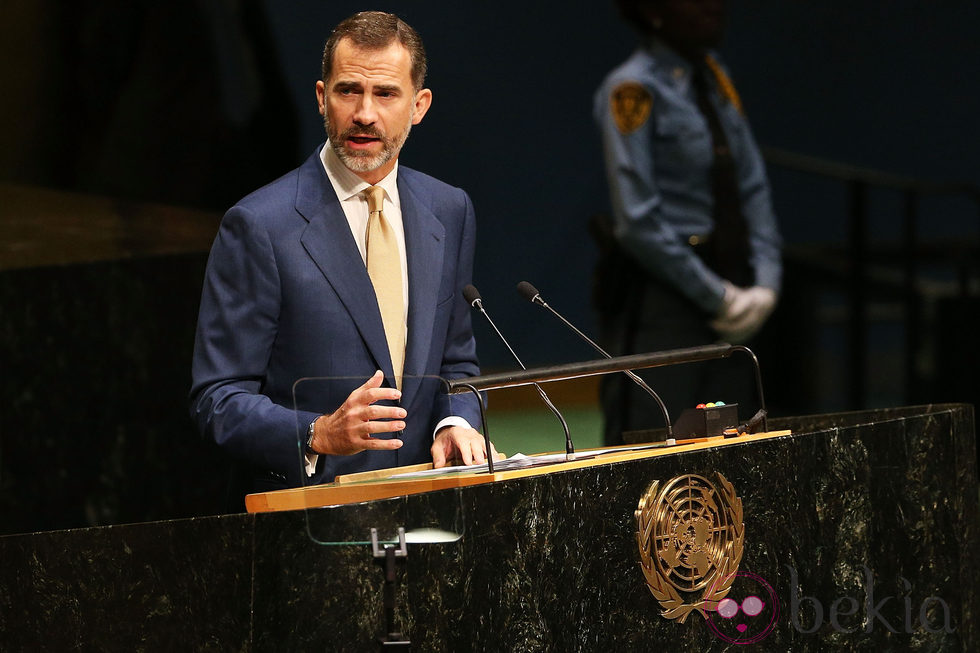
(309,438)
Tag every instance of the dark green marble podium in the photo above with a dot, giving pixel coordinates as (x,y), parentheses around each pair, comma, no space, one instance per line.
(866,520)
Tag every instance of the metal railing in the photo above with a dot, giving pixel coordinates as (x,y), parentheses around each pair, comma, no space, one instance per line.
(859,181)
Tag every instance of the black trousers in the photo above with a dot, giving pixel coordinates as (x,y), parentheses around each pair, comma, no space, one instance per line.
(654,317)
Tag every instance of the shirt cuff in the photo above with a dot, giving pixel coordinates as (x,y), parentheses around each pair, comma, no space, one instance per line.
(452,420)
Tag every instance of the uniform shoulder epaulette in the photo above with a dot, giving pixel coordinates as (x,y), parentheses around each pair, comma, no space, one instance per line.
(724,83)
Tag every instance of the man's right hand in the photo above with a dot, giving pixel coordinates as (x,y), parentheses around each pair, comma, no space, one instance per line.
(348,429)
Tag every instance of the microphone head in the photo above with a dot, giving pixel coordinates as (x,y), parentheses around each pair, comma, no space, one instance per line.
(529,292)
(471,295)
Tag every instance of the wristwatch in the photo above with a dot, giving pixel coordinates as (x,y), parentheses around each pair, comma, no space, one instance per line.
(309,438)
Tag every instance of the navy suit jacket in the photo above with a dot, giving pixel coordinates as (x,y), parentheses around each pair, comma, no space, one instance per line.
(287,297)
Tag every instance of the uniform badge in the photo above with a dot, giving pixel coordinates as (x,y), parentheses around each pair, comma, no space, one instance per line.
(630,103)
(690,537)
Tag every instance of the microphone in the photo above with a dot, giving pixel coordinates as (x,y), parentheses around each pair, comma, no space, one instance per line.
(530,293)
(472,297)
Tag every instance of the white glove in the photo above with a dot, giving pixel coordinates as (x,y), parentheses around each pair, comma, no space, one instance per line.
(743,312)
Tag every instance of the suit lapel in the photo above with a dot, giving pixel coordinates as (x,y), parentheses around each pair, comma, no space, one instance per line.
(328,240)
(425,240)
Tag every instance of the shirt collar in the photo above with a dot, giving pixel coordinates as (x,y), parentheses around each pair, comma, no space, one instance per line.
(670,60)
(346,184)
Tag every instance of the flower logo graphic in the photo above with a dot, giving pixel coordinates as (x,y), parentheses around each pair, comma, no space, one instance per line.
(748,614)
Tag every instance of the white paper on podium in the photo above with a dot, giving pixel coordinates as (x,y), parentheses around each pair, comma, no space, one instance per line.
(521,461)
(517,461)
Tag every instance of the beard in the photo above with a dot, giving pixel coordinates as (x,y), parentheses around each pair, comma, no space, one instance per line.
(359,161)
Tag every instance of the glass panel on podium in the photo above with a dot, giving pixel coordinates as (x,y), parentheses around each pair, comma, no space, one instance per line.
(524,421)
(377,480)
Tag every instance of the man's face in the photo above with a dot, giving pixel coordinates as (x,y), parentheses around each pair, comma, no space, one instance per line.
(369,106)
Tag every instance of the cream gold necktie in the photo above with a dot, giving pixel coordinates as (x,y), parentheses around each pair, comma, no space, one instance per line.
(385,269)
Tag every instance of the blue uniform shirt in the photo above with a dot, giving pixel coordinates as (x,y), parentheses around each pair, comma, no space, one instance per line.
(658,154)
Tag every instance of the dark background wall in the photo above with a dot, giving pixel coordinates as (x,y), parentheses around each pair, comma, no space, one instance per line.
(139,89)
(879,84)
(195,103)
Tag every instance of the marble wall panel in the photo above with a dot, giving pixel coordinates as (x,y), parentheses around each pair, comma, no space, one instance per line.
(176,585)
(96,371)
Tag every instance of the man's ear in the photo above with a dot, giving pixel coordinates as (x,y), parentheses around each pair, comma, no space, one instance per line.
(423,100)
(321,96)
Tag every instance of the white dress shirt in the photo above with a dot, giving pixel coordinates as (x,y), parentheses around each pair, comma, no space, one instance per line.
(350,188)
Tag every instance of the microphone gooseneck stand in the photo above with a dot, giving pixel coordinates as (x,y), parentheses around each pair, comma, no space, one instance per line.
(472,296)
(531,293)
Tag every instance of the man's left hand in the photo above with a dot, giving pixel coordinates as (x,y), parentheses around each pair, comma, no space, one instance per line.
(458,443)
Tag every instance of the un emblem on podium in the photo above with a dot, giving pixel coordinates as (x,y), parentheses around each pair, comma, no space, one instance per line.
(690,536)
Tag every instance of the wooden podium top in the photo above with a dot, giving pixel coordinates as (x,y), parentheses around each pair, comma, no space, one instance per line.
(369,486)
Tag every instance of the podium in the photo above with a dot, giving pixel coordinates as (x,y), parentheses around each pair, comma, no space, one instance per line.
(864,526)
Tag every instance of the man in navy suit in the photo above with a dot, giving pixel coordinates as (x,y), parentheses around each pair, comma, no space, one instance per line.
(293,370)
